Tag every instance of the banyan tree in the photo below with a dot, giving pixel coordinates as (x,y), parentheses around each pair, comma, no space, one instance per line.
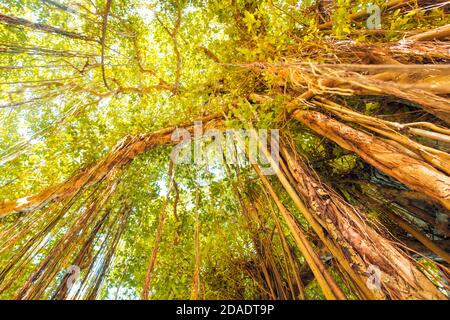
(128,131)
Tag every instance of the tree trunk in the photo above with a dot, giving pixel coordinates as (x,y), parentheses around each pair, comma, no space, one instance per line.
(414,173)
(363,247)
(123,153)
(14,21)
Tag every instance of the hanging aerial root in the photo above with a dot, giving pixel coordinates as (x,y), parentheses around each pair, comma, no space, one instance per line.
(50,218)
(289,184)
(120,225)
(271,280)
(264,250)
(158,236)
(110,233)
(417,205)
(196,278)
(62,291)
(287,253)
(368,196)
(59,255)
(326,282)
(419,236)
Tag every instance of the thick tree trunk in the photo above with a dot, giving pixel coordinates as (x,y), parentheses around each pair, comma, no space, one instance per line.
(414,173)
(363,247)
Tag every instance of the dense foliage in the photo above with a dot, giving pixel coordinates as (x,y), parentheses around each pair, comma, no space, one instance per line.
(88,88)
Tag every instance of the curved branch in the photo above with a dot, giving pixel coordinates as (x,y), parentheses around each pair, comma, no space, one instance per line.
(123,153)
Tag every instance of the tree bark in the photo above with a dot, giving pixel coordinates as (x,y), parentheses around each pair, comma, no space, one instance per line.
(414,173)
(363,247)
(14,21)
(123,153)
